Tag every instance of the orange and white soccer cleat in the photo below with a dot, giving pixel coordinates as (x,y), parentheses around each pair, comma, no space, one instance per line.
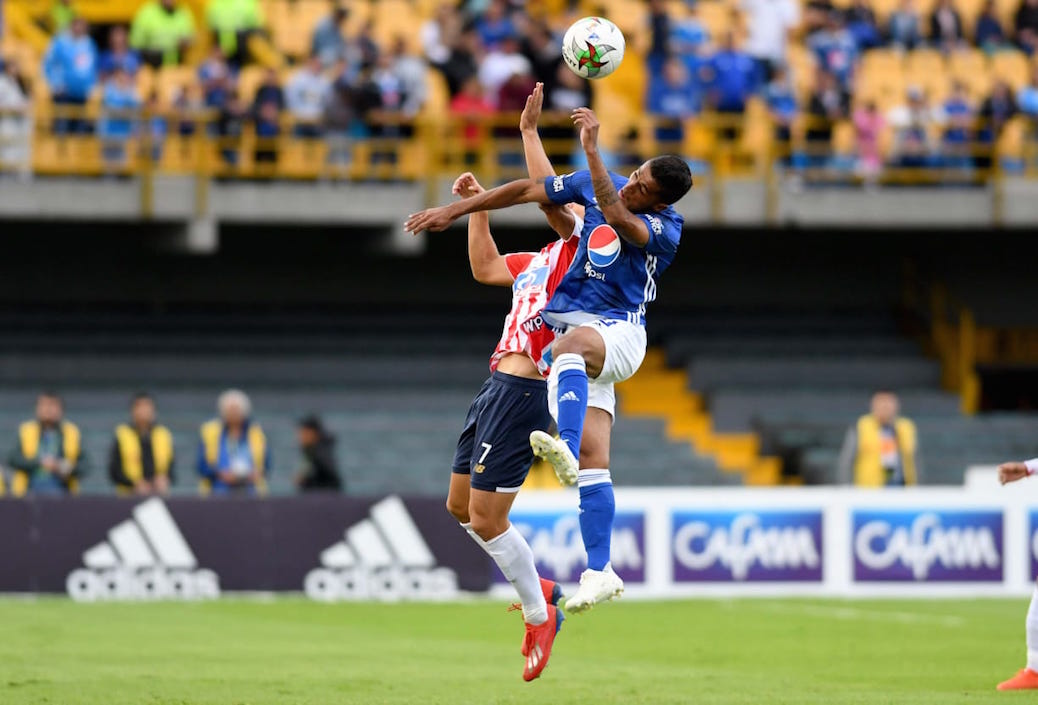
(1025,679)
(538,643)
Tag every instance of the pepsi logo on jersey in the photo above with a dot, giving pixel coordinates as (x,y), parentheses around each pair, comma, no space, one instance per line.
(603,246)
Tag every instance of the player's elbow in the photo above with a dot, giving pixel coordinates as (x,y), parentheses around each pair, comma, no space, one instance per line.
(483,272)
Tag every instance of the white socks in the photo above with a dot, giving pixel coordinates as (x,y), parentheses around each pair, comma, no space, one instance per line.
(597,476)
(515,559)
(1032,632)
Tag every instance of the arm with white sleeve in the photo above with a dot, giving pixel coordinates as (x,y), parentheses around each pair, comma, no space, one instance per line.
(1013,471)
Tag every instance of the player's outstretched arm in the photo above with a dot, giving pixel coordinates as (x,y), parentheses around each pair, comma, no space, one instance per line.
(488,266)
(627,225)
(1011,472)
(538,166)
(510,194)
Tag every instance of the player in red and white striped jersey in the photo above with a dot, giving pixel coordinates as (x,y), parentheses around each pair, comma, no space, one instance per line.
(494,453)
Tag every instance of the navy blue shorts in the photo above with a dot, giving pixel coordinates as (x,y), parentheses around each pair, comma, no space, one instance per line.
(494,447)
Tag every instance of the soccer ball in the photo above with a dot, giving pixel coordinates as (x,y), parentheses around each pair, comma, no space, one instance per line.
(593,47)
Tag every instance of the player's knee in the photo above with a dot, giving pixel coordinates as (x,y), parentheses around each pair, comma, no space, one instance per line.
(458,510)
(593,458)
(489,527)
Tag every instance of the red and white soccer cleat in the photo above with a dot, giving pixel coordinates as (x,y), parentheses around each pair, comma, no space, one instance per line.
(1025,679)
(538,643)
(552,594)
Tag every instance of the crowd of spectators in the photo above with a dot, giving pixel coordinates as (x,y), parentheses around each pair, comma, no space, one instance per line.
(692,72)
(232,457)
(352,86)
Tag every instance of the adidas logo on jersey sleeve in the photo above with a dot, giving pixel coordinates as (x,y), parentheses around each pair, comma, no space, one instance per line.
(383,557)
(146,558)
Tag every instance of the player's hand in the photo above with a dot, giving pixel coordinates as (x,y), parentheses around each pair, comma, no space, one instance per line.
(431,219)
(585,119)
(1011,472)
(466,186)
(532,111)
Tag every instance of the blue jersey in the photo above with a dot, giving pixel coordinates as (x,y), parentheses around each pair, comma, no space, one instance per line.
(609,278)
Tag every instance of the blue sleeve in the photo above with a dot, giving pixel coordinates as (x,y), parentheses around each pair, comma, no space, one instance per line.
(204,469)
(50,63)
(569,188)
(664,234)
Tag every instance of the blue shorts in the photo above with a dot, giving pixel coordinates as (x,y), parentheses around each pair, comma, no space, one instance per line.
(494,447)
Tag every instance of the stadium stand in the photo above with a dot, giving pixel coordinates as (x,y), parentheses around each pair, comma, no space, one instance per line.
(394,396)
(819,144)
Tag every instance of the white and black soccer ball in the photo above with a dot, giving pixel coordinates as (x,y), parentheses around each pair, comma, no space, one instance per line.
(593,47)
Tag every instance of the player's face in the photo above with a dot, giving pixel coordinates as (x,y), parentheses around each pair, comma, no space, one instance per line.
(641,193)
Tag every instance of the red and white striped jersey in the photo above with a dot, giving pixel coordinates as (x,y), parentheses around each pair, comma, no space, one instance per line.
(536,275)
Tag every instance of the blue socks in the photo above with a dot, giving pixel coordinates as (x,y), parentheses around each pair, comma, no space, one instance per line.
(572,398)
(597,509)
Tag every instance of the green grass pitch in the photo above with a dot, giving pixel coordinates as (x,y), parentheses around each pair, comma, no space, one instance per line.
(289,651)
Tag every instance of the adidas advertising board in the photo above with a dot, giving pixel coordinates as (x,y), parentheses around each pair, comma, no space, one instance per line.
(667,543)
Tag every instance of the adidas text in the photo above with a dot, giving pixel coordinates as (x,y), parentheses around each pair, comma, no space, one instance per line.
(383,557)
(145,558)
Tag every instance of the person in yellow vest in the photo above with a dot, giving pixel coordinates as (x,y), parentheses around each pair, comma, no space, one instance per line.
(47,457)
(141,458)
(162,31)
(233,453)
(881,449)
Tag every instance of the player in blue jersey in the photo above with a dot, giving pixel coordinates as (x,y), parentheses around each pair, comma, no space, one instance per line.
(630,236)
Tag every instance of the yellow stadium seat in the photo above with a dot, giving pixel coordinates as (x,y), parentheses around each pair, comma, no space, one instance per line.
(802,65)
(970,66)
(844,138)
(716,17)
(249,80)
(170,80)
(1012,67)
(1011,141)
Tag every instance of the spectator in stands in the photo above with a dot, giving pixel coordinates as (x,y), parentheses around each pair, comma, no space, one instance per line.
(365,45)
(15,121)
(959,118)
(829,104)
(267,120)
(561,97)
(500,65)
(880,450)
(188,102)
(782,106)
(989,34)
(463,62)
(946,26)
(732,80)
(61,15)
(496,25)
(544,52)
(307,95)
(157,125)
(1026,26)
(217,77)
(411,71)
(836,50)
(861,23)
(673,99)
(140,460)
(230,124)
(770,23)
(120,104)
(439,34)
(232,22)
(233,455)
(269,91)
(903,26)
(70,67)
(997,110)
(659,33)
(472,106)
(47,457)
(119,54)
(868,126)
(340,117)
(914,123)
(162,31)
(1027,98)
(320,471)
(328,42)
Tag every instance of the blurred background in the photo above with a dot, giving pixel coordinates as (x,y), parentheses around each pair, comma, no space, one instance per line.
(204,196)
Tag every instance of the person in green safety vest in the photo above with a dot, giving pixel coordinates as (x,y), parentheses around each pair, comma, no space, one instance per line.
(232,21)
(162,31)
